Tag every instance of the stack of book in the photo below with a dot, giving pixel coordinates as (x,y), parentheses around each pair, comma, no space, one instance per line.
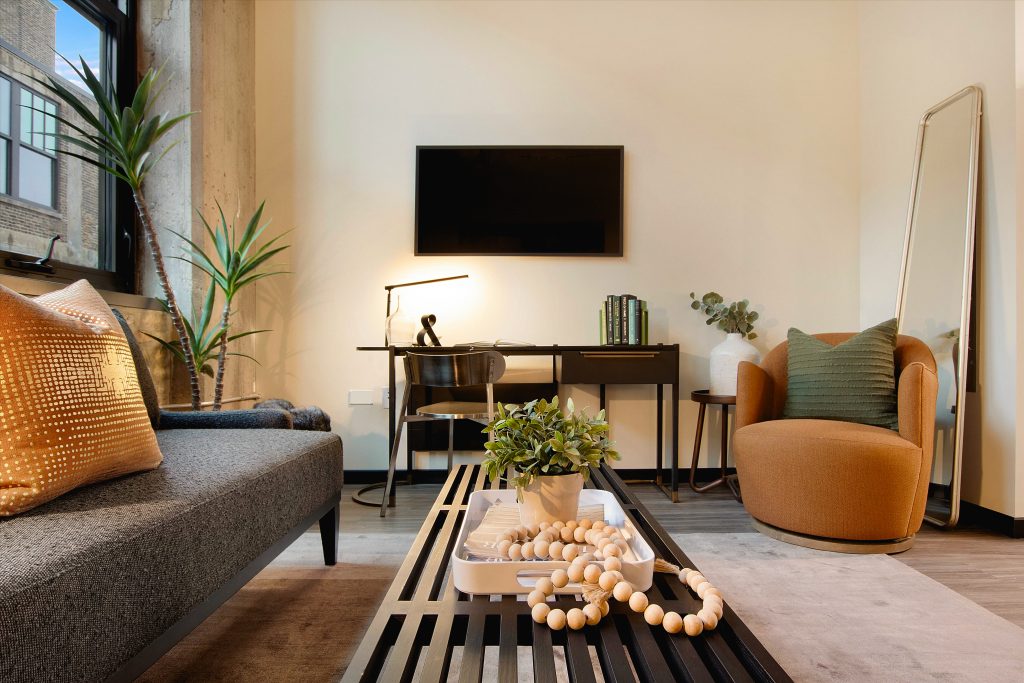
(624,320)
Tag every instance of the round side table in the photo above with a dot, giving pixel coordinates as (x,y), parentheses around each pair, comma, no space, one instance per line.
(703,398)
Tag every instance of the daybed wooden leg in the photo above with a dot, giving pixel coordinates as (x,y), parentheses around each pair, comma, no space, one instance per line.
(329,530)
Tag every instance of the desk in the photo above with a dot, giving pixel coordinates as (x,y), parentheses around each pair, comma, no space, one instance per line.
(656,364)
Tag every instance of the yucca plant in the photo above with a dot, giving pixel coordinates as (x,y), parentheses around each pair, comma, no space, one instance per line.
(123,142)
(236,261)
(204,335)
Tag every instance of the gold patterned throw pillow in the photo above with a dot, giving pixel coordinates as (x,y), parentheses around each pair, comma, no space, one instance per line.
(71,412)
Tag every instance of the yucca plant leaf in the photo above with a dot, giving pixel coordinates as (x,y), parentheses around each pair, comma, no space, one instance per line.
(246,334)
(99,94)
(167,123)
(89,160)
(174,347)
(251,228)
(260,276)
(256,262)
(141,100)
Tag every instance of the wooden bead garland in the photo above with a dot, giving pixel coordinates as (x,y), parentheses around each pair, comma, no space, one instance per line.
(567,541)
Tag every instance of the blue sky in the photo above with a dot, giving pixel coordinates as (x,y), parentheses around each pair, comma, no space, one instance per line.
(76,36)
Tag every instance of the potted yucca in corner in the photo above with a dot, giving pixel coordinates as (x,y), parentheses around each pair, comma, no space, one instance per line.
(547,454)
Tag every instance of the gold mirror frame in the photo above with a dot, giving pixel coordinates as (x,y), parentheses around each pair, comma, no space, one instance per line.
(968,272)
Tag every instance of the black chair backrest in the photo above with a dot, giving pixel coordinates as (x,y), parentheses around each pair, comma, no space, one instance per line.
(454,369)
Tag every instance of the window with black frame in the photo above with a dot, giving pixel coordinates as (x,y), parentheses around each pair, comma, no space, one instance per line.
(42,192)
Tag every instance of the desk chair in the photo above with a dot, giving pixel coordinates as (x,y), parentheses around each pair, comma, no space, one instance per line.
(454,370)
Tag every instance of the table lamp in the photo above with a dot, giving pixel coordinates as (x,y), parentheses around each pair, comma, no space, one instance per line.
(388,288)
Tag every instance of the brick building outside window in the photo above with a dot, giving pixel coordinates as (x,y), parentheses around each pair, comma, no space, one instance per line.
(43,193)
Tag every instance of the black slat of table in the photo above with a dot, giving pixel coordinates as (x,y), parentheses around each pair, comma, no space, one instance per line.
(424,620)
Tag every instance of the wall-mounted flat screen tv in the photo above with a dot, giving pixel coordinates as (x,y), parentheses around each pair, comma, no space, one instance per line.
(519,201)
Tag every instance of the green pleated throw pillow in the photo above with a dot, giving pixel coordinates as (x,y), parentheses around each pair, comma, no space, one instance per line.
(854,381)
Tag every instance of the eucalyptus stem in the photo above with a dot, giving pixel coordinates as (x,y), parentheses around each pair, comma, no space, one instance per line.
(172,303)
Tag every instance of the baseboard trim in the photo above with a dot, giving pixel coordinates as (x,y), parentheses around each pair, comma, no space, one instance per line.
(990,519)
(704,474)
(972,513)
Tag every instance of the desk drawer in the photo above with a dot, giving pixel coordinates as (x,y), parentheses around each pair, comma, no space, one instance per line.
(620,366)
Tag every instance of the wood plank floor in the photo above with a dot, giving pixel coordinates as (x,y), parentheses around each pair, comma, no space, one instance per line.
(981,565)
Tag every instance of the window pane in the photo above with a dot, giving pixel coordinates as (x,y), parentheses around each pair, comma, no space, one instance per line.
(37,123)
(26,116)
(76,38)
(35,177)
(39,31)
(5,106)
(51,132)
(4,161)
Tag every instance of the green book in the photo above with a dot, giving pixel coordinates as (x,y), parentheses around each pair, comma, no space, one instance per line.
(631,326)
(602,333)
(644,338)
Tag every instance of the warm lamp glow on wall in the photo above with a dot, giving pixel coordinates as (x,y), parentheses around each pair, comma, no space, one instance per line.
(390,315)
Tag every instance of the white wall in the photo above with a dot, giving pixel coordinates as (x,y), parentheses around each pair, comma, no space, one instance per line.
(912,55)
(739,122)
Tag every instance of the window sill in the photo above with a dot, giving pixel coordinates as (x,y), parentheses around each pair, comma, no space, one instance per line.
(34,286)
(31,206)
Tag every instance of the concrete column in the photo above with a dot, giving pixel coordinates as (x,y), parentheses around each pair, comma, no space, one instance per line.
(206,49)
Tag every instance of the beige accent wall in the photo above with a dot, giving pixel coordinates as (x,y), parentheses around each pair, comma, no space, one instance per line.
(740,124)
(912,55)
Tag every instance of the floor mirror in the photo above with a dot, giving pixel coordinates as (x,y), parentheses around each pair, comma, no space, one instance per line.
(934,299)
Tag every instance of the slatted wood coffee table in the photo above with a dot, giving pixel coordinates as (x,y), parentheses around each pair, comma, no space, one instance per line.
(427,630)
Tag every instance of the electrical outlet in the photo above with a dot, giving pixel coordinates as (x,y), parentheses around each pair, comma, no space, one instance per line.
(360,397)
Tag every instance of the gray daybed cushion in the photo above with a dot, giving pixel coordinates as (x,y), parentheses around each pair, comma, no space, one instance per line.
(90,579)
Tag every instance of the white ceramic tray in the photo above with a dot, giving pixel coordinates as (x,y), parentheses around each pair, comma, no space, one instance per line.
(492,576)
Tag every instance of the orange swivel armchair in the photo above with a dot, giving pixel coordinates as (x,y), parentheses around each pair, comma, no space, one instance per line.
(829,484)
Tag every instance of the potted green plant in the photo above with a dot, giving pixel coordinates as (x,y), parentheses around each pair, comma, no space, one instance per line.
(737,321)
(547,454)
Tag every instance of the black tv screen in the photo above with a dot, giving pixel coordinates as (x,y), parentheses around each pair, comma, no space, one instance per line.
(532,201)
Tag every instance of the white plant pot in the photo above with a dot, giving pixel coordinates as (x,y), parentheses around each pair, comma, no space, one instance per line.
(551,499)
(725,359)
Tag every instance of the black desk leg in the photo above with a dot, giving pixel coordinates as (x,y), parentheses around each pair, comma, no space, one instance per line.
(600,401)
(675,440)
(392,387)
(659,462)
(391,398)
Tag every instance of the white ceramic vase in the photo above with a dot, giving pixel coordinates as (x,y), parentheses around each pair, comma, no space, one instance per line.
(725,358)
(550,499)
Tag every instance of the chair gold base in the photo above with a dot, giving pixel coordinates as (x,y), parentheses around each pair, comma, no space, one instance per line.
(888,547)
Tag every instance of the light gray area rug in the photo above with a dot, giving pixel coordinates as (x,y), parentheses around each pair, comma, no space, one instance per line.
(837,617)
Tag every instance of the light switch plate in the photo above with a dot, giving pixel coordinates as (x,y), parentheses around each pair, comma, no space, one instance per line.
(360,397)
